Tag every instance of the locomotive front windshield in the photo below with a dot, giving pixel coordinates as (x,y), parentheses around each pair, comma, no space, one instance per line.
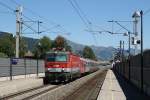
(56,57)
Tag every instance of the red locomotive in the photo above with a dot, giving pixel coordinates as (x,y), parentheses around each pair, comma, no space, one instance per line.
(63,66)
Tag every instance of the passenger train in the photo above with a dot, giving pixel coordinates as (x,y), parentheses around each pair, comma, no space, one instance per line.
(62,66)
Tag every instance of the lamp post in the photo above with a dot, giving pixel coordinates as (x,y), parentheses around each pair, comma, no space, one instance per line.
(136,16)
(141,13)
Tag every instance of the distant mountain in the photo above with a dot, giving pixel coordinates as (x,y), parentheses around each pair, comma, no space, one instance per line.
(31,42)
(102,53)
(2,34)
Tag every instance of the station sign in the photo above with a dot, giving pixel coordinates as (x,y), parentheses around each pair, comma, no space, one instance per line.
(14,61)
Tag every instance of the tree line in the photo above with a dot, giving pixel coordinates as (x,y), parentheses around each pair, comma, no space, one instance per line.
(7,47)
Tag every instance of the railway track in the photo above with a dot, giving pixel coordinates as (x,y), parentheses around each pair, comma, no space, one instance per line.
(90,90)
(29,94)
(71,91)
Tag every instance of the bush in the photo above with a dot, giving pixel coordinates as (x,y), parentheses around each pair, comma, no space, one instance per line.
(2,55)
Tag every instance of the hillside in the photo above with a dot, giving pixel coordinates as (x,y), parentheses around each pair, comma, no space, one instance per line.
(103,53)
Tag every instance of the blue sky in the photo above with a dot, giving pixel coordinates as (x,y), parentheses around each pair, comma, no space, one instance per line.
(60,12)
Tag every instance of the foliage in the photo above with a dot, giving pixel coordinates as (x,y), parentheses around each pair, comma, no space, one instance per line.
(45,44)
(2,55)
(23,47)
(88,53)
(60,42)
(42,46)
(7,45)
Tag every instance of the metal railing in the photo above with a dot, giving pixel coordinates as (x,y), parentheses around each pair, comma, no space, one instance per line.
(10,67)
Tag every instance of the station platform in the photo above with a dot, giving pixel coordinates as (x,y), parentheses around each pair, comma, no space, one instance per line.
(15,86)
(117,88)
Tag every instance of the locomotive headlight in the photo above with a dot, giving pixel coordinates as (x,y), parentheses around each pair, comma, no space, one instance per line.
(62,69)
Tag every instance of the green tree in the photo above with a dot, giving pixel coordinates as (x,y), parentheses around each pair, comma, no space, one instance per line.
(7,45)
(88,53)
(42,46)
(3,55)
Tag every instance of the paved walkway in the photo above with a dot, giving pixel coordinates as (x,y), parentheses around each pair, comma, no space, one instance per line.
(116,88)
(15,86)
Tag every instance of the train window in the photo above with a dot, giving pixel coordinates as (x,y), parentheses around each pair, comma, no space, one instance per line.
(61,57)
(56,57)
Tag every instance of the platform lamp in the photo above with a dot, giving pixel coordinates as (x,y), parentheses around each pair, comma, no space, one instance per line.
(139,14)
(136,18)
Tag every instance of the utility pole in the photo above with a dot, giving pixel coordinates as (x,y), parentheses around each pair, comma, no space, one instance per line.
(18,28)
(120,50)
(123,49)
(129,34)
(123,58)
(38,47)
(120,55)
(141,13)
(39,22)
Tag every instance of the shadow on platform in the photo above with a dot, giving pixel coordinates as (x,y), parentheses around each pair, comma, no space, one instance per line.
(130,91)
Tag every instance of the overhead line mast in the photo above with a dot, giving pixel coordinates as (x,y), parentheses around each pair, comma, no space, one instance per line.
(18,28)
(49,22)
